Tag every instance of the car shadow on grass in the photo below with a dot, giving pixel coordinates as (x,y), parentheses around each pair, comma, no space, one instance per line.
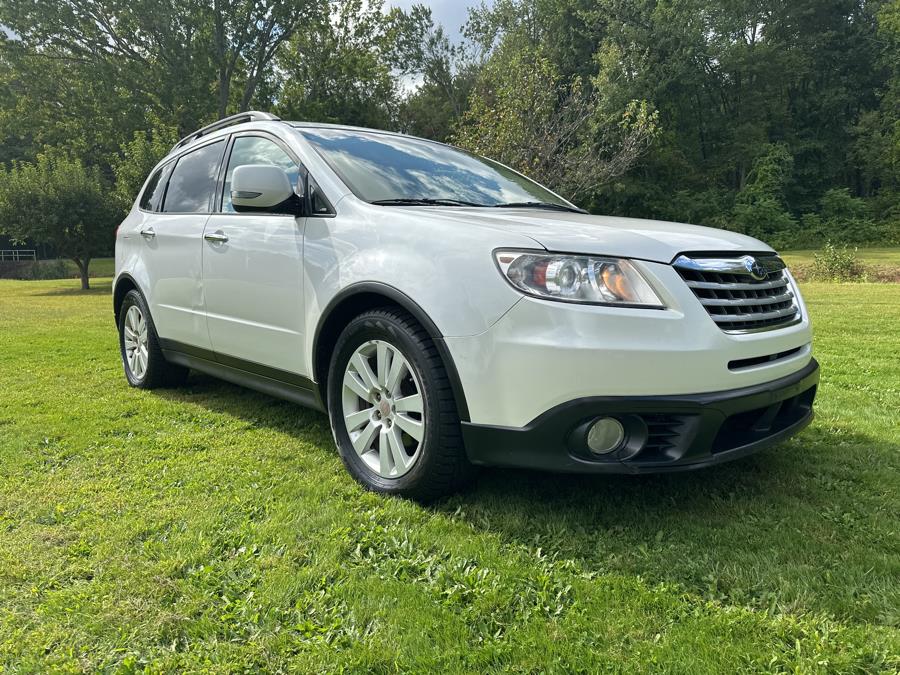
(255,408)
(798,528)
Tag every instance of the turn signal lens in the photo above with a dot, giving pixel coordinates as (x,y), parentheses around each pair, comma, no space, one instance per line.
(595,280)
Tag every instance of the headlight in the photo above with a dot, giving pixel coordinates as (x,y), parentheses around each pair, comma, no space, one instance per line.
(575,278)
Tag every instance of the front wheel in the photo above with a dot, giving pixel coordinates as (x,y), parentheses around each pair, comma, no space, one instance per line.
(392,410)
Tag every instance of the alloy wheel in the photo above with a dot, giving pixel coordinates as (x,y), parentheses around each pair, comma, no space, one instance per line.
(136,341)
(383,409)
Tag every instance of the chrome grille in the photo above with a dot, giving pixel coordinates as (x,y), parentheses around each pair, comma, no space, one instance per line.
(743,293)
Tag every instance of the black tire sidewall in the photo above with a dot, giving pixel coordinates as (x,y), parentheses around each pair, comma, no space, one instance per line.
(384,327)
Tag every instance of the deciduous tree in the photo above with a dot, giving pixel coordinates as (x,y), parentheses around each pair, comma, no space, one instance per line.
(345,67)
(57,201)
(526,114)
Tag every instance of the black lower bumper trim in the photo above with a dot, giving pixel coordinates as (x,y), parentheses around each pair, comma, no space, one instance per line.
(664,433)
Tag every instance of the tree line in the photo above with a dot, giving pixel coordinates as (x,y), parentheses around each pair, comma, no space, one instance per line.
(781,120)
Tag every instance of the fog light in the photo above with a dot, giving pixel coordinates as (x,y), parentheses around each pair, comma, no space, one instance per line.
(605,435)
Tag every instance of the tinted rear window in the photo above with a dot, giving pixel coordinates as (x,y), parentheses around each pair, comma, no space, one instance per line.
(153,191)
(193,180)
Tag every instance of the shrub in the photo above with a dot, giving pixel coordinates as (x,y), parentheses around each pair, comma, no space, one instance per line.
(844,219)
(837,263)
(50,269)
(759,208)
(37,269)
(767,220)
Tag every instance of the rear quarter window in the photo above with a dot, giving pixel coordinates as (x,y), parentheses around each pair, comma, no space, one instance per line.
(152,194)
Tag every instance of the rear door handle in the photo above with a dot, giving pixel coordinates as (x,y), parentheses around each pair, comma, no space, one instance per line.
(216,237)
(148,233)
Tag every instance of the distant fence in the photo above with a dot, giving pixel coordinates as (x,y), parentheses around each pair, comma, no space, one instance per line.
(16,255)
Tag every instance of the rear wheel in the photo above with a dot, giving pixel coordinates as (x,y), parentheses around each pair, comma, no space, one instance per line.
(145,365)
(392,410)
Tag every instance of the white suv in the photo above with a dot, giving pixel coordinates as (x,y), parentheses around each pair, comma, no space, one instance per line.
(446,311)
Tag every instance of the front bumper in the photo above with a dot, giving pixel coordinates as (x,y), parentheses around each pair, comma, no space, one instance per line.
(543,353)
(665,433)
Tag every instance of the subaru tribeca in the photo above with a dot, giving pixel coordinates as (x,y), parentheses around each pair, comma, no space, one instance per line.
(446,311)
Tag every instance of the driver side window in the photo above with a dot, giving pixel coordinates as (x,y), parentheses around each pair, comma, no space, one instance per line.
(256,150)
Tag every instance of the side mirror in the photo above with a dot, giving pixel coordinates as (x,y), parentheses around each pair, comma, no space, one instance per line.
(257,187)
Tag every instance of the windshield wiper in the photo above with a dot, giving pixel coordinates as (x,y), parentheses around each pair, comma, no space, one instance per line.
(539,205)
(423,201)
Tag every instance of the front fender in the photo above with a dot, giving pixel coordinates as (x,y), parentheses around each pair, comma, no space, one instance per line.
(447,271)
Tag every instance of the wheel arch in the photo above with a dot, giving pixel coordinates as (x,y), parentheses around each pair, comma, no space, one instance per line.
(363,296)
(124,283)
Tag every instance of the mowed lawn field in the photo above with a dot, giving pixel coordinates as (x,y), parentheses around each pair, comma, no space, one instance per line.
(214,529)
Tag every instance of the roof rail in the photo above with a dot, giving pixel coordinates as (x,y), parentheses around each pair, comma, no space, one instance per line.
(240,118)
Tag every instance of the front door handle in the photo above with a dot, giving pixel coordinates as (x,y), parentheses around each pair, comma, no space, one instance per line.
(217,237)
(148,233)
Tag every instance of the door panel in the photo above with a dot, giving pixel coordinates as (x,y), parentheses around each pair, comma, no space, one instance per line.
(253,288)
(172,253)
(172,239)
(253,269)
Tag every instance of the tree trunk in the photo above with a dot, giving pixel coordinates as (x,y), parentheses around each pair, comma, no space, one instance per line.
(224,93)
(83,272)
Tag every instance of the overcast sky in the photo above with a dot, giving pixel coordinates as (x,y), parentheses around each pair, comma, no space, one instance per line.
(451,14)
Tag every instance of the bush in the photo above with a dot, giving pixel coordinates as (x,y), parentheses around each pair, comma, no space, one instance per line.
(37,269)
(759,209)
(844,219)
(837,263)
(767,220)
(51,269)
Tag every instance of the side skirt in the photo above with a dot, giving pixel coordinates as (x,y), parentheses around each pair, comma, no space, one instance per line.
(271,381)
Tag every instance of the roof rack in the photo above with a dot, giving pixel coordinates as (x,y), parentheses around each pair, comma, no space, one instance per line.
(240,118)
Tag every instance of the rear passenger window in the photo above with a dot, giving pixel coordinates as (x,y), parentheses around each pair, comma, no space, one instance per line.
(193,180)
(153,192)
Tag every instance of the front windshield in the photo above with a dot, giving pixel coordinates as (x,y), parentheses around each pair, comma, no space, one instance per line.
(384,168)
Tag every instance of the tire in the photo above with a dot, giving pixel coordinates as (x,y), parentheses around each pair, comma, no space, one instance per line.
(378,444)
(137,333)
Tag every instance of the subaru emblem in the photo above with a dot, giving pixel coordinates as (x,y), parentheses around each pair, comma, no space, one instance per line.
(754,268)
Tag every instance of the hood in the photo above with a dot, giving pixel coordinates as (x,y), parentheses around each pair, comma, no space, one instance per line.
(558,231)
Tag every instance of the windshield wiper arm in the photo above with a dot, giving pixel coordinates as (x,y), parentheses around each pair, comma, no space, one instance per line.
(423,201)
(539,205)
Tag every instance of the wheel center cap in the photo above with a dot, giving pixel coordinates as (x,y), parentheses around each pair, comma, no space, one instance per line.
(385,408)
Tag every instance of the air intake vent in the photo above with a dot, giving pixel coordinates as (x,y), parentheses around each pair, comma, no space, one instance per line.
(743,293)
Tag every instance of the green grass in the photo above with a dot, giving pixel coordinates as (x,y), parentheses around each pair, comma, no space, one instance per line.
(888,257)
(212,528)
